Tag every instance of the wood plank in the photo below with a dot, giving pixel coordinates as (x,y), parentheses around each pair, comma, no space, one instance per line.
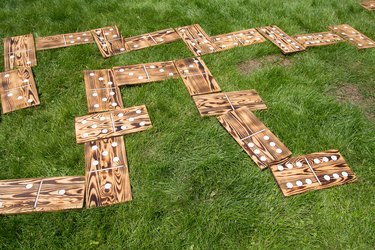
(254,137)
(101,91)
(19,51)
(196,39)
(63,40)
(144,73)
(221,103)
(107,175)
(41,194)
(109,41)
(196,76)
(353,36)
(317,39)
(238,38)
(111,123)
(312,172)
(286,43)
(369,5)
(152,39)
(18,90)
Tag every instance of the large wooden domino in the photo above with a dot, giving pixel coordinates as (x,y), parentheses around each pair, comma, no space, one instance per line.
(63,40)
(221,103)
(18,89)
(144,73)
(152,39)
(317,39)
(352,35)
(236,39)
(196,39)
(254,137)
(196,76)
(286,43)
(313,171)
(107,175)
(111,123)
(41,194)
(370,5)
(101,92)
(109,41)
(19,51)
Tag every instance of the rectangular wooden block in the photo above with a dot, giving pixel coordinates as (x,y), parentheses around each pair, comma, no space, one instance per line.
(41,194)
(111,123)
(144,73)
(311,172)
(19,51)
(101,91)
(196,76)
(18,90)
(282,40)
(352,35)
(109,41)
(63,40)
(370,5)
(221,103)
(107,175)
(196,39)
(152,39)
(317,39)
(236,39)
(254,137)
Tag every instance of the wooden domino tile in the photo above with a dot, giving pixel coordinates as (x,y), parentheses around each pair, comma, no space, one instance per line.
(313,171)
(370,5)
(317,39)
(221,103)
(111,123)
(41,194)
(63,40)
(352,35)
(236,39)
(196,39)
(18,90)
(254,137)
(101,92)
(19,51)
(152,39)
(107,175)
(144,73)
(282,40)
(196,76)
(109,41)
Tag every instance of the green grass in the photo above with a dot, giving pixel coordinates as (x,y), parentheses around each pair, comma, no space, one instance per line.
(193,186)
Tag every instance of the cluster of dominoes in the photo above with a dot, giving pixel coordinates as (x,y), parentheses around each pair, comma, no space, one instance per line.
(20,51)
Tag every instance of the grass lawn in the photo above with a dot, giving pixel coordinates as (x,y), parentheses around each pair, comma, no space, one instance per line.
(193,186)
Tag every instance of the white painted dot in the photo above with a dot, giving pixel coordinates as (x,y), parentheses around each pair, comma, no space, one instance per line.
(334,157)
(290,166)
(112,93)
(171,74)
(263,158)
(61,192)
(131,119)
(326,177)
(336,176)
(121,70)
(120,115)
(26,81)
(325,159)
(308,181)
(28,186)
(101,78)
(10,94)
(289,185)
(104,131)
(345,174)
(83,121)
(116,159)
(272,144)
(96,105)
(86,40)
(138,111)
(6,75)
(114,144)
(94,147)
(122,49)
(11,56)
(316,161)
(30,100)
(94,94)
(256,151)
(71,41)
(266,137)
(105,153)
(123,127)
(131,74)
(114,104)
(109,83)
(85,135)
(299,164)
(279,151)
(140,77)
(186,71)
(28,62)
(135,46)
(78,38)
(280,167)
(19,97)
(142,123)
(299,183)
(104,99)
(107,185)
(161,70)
(250,144)
(102,118)
(198,51)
